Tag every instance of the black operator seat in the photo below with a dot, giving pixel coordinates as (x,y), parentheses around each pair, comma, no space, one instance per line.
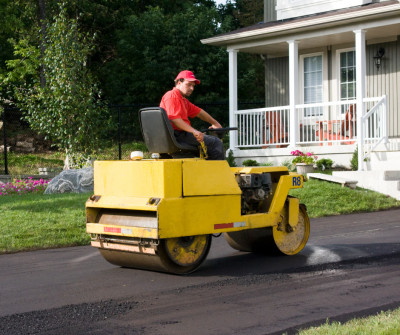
(159,137)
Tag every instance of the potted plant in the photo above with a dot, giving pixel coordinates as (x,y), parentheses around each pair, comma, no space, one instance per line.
(304,162)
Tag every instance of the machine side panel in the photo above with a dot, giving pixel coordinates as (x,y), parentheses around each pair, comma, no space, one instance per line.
(209,178)
(197,215)
(208,215)
(144,178)
(115,230)
(112,201)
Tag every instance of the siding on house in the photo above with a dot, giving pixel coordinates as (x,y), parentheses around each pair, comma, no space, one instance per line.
(277,81)
(269,10)
(287,9)
(386,80)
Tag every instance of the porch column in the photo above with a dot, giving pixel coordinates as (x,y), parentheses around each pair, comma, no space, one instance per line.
(360,92)
(233,96)
(293,91)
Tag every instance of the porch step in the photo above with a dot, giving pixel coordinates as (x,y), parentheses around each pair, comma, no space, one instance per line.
(384,160)
(385,182)
(340,180)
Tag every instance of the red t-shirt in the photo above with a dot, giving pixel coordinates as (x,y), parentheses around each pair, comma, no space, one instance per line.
(178,107)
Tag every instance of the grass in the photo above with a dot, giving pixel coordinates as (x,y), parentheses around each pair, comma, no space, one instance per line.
(323,198)
(126,149)
(384,323)
(28,164)
(32,221)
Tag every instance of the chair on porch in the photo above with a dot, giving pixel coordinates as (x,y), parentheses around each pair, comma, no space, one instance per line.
(330,130)
(275,133)
(349,124)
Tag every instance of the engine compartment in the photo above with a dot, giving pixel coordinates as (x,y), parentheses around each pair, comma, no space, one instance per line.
(256,189)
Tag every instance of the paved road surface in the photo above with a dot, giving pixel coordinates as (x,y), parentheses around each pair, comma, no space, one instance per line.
(350,267)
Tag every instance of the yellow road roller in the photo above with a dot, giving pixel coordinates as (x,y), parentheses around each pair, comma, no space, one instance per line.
(160,214)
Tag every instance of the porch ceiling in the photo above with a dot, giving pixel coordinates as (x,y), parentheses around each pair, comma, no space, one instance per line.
(381,21)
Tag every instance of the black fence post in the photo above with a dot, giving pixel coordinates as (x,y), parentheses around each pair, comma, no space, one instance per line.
(5,142)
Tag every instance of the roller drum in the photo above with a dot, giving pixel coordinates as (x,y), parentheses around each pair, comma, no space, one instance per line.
(179,255)
(280,239)
(252,240)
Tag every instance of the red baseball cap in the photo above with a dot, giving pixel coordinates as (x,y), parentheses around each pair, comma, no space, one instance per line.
(188,75)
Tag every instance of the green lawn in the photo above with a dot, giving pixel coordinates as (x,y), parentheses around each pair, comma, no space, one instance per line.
(323,198)
(28,164)
(384,323)
(38,221)
(24,164)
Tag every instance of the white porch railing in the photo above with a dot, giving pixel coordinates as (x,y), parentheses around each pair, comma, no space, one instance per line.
(262,127)
(331,123)
(328,123)
(375,124)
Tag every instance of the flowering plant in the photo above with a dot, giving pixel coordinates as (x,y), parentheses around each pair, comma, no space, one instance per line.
(301,157)
(23,186)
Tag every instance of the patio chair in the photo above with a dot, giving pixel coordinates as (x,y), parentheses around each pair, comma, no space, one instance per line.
(331,131)
(349,124)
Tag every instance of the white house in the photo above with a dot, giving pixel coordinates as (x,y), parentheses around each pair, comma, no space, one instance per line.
(332,82)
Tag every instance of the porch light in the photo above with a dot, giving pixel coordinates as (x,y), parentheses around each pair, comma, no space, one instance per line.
(378,57)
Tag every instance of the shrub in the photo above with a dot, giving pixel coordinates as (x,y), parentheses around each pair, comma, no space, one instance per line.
(250,162)
(289,165)
(324,164)
(266,164)
(230,159)
(354,160)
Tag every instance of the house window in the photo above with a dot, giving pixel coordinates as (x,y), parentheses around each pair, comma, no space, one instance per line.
(347,76)
(313,85)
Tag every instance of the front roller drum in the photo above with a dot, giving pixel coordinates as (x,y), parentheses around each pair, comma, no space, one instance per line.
(181,255)
(282,238)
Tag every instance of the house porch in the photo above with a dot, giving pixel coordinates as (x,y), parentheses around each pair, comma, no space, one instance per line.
(329,130)
(315,115)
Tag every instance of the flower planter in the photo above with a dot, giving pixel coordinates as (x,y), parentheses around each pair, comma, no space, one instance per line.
(303,168)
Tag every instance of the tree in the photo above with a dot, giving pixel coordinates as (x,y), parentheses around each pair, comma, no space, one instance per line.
(249,12)
(139,48)
(68,109)
(251,76)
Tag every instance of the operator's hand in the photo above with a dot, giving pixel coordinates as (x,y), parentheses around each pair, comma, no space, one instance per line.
(215,125)
(198,135)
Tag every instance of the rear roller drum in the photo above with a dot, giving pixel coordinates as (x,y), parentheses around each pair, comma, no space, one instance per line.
(252,240)
(181,255)
(282,238)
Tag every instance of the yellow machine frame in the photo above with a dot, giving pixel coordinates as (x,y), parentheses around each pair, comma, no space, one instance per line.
(183,197)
